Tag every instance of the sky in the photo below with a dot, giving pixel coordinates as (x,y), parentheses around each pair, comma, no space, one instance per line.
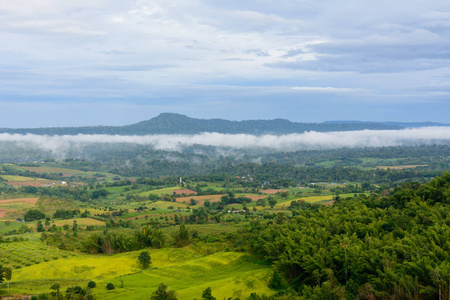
(115,62)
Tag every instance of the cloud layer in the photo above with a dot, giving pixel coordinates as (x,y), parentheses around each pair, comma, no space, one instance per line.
(302,60)
(59,145)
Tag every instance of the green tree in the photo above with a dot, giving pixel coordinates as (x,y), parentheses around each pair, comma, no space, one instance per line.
(272,202)
(110,286)
(163,293)
(55,289)
(40,227)
(207,294)
(2,273)
(144,259)
(182,237)
(8,273)
(276,282)
(75,228)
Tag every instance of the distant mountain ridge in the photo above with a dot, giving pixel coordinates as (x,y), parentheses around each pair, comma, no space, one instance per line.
(400,124)
(172,123)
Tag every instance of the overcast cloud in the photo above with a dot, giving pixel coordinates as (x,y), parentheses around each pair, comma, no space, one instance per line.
(99,62)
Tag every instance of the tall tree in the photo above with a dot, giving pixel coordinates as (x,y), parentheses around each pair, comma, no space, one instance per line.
(144,259)
(207,294)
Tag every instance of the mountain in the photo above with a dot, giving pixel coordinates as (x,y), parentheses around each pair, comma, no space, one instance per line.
(399,124)
(171,123)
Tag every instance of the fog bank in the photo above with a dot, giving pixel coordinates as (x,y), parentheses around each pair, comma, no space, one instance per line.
(290,142)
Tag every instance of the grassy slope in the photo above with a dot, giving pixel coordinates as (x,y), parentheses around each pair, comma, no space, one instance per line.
(183,270)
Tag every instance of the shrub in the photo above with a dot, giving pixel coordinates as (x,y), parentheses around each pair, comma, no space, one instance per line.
(110,286)
(91,284)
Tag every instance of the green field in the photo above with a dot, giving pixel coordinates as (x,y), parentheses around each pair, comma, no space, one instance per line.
(27,253)
(19,178)
(167,191)
(183,270)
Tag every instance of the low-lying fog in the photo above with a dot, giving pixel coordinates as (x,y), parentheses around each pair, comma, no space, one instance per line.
(289,142)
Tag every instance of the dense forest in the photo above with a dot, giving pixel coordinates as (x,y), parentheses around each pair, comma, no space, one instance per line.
(303,166)
(394,247)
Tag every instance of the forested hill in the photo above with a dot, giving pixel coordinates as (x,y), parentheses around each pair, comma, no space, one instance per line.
(171,123)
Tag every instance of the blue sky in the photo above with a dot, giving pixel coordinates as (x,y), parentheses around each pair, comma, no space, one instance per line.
(98,62)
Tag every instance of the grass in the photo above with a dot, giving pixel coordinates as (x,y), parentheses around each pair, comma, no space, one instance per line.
(159,192)
(16,206)
(311,199)
(166,205)
(13,225)
(227,273)
(28,253)
(11,178)
(182,269)
(80,221)
(206,228)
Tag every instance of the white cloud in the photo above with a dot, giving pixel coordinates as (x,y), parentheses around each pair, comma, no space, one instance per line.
(327,89)
(59,145)
(63,46)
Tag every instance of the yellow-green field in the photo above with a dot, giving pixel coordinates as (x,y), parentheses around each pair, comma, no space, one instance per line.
(284,204)
(166,205)
(183,270)
(167,191)
(80,221)
(312,199)
(20,178)
(21,254)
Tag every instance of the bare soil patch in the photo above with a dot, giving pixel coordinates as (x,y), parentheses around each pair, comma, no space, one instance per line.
(185,191)
(21,200)
(3,212)
(200,199)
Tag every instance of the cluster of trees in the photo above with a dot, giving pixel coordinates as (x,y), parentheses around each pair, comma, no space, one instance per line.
(34,214)
(163,292)
(365,248)
(113,242)
(66,213)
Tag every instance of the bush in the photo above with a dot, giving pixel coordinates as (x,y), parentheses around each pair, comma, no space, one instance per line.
(91,284)
(42,297)
(110,286)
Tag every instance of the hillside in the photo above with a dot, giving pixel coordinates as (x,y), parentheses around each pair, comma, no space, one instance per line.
(171,123)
